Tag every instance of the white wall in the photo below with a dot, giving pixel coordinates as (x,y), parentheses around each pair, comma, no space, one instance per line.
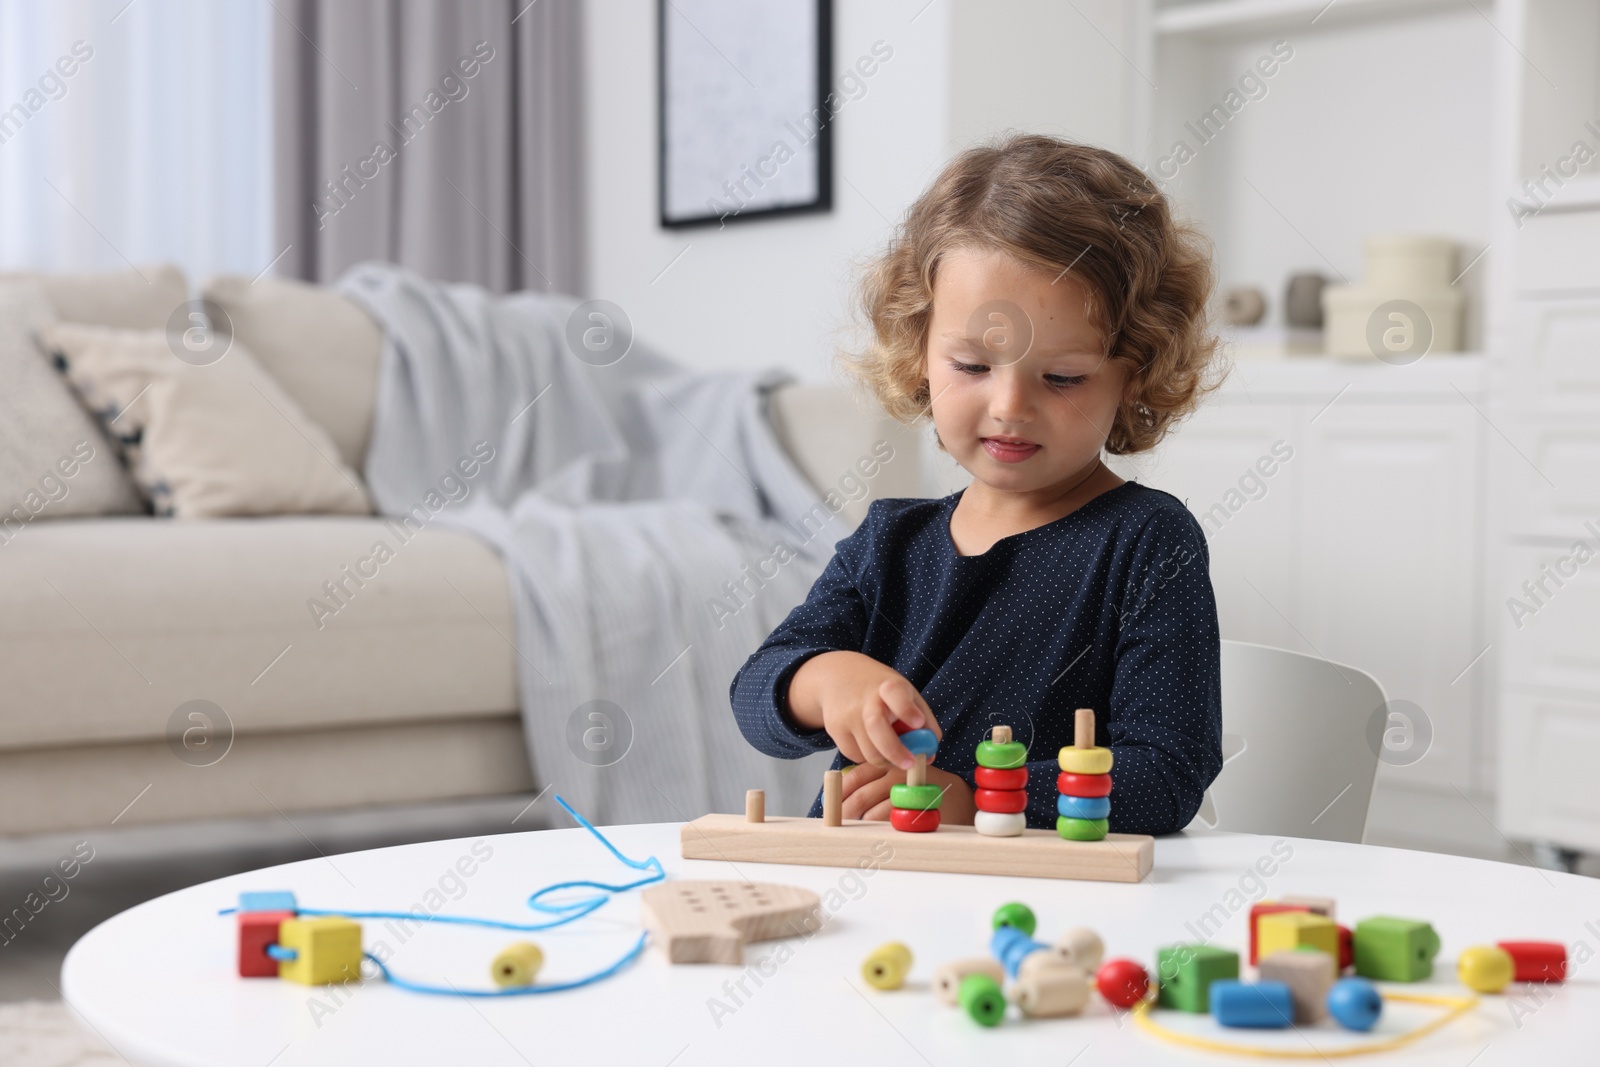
(758,292)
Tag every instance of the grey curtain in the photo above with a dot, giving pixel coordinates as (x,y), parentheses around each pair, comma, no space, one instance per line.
(443,135)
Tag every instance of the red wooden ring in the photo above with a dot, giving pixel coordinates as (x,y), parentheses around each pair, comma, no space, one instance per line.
(912,821)
(996,778)
(1083,785)
(1005,801)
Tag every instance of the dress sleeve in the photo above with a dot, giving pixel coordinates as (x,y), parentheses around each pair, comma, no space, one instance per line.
(833,618)
(1165,726)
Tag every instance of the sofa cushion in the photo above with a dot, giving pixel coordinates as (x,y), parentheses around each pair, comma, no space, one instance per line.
(320,347)
(142,299)
(55,461)
(204,440)
(111,624)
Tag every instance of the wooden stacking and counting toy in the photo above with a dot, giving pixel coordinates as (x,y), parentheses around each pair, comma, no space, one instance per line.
(1084,808)
(1001,795)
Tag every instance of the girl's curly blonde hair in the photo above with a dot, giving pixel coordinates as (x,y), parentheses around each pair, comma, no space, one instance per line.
(1056,206)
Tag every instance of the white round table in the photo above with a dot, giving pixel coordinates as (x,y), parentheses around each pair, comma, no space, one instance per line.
(158,982)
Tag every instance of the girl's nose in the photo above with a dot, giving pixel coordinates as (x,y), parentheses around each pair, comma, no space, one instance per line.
(1009,400)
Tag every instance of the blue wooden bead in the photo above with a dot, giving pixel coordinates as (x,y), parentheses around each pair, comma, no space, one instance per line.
(1262,1006)
(920,742)
(1083,807)
(1355,1003)
(276,900)
(1010,945)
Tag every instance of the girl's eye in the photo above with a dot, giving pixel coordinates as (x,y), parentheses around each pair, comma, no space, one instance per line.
(971,368)
(1065,381)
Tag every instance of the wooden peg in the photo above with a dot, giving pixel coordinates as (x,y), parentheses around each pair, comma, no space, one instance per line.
(833,798)
(918,774)
(1083,728)
(755,805)
(1001,735)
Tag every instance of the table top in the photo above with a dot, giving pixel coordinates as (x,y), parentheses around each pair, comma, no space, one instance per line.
(159,983)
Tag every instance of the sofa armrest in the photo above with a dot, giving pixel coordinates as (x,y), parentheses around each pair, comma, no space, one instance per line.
(844,445)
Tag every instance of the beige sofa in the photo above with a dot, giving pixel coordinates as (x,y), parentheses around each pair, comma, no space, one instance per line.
(407,695)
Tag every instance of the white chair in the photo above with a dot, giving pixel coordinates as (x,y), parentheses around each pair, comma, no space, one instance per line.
(1297,761)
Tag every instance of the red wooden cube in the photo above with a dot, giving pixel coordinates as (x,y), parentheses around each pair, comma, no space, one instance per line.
(257,930)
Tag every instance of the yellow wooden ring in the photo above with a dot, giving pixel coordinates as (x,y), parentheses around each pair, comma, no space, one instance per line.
(1086,760)
(1458,1006)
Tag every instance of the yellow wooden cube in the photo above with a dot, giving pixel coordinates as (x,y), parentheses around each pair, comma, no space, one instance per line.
(1285,930)
(327,949)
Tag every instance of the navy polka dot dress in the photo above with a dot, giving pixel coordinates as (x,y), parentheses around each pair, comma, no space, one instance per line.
(1109,607)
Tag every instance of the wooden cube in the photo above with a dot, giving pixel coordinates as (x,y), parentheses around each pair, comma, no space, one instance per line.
(1395,950)
(270,900)
(1320,905)
(1265,907)
(1291,929)
(257,930)
(327,947)
(1308,974)
(1184,974)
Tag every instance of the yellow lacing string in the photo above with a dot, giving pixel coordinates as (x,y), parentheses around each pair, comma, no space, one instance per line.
(1458,1006)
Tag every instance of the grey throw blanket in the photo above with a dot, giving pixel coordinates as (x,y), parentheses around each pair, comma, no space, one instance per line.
(625,495)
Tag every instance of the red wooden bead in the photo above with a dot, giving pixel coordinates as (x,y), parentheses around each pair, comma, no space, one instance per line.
(1347,948)
(912,821)
(1122,982)
(1083,785)
(995,778)
(257,930)
(1537,961)
(1005,801)
(902,727)
(1266,907)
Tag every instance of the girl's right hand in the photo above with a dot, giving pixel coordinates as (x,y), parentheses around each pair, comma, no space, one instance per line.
(858,700)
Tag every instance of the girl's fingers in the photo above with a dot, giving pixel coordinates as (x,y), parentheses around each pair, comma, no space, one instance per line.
(867,796)
(860,775)
(908,705)
(879,812)
(881,735)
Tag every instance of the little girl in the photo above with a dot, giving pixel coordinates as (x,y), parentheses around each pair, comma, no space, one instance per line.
(1043,306)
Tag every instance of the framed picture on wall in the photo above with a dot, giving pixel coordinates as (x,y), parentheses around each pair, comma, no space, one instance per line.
(745,127)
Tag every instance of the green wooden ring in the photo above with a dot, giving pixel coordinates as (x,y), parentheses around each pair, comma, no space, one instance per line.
(915,797)
(1015,914)
(1082,829)
(1002,757)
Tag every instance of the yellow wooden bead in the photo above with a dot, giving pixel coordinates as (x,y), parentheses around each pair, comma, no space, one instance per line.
(887,966)
(517,965)
(1085,760)
(327,949)
(1486,968)
(1287,930)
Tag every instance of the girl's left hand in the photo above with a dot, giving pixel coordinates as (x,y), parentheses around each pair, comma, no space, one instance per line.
(866,794)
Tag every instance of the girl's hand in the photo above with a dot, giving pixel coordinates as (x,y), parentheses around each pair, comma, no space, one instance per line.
(858,700)
(866,794)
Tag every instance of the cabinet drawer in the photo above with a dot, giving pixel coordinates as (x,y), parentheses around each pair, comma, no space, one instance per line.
(1553,356)
(1550,631)
(1549,485)
(1556,251)
(1549,749)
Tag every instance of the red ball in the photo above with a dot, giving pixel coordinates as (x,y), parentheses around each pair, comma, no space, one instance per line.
(1083,785)
(1122,982)
(995,778)
(914,822)
(1005,801)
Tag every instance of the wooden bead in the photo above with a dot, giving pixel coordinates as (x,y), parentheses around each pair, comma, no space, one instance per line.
(1485,968)
(1265,907)
(1050,992)
(887,965)
(1261,1006)
(517,965)
(1320,905)
(995,778)
(920,742)
(1042,961)
(1083,785)
(1395,950)
(1081,947)
(1083,807)
(1185,974)
(833,798)
(1004,801)
(1000,823)
(327,949)
(1347,949)
(257,930)
(1002,756)
(268,900)
(1309,976)
(1355,1003)
(1538,961)
(1122,982)
(913,821)
(1082,829)
(918,797)
(982,999)
(1287,930)
(1016,915)
(755,805)
(1085,760)
(947,979)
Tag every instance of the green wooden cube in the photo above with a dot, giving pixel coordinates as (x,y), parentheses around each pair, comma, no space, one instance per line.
(1184,974)
(1395,950)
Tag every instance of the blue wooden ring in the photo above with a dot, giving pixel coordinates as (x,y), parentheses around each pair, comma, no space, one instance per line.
(1083,807)
(920,742)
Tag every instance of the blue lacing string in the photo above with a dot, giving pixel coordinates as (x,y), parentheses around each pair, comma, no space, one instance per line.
(566,913)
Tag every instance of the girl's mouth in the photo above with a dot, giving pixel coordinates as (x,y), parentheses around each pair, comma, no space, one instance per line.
(1009,450)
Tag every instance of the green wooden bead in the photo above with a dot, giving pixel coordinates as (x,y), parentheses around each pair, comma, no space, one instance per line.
(1015,914)
(982,998)
(1082,829)
(915,797)
(1002,756)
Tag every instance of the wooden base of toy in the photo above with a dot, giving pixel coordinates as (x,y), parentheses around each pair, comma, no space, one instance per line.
(950,849)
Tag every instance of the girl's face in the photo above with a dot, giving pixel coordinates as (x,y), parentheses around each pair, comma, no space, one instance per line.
(1023,396)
